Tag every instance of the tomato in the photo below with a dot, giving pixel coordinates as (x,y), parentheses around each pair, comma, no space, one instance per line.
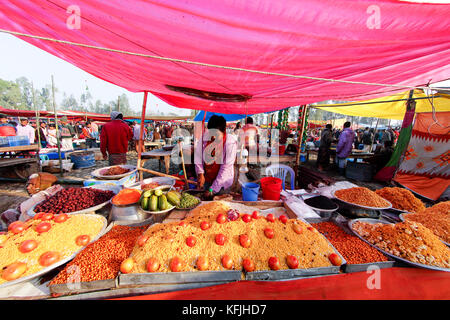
(274,263)
(227,262)
(310,228)
(47,217)
(39,215)
(190,241)
(61,218)
(205,225)
(245,241)
(142,240)
(246,218)
(269,233)
(220,239)
(335,259)
(152,265)
(182,223)
(175,264)
(14,271)
(16,227)
(202,263)
(255,215)
(221,218)
(43,227)
(283,218)
(248,265)
(83,240)
(127,265)
(48,258)
(270,217)
(297,228)
(292,262)
(27,246)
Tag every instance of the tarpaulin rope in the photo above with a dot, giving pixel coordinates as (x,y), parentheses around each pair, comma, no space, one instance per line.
(208,64)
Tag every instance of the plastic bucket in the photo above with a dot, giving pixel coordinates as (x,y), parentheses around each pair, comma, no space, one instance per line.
(83,160)
(271,188)
(282,149)
(250,191)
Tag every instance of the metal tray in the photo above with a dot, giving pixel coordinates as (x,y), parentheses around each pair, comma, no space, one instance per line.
(402,218)
(373,221)
(360,206)
(97,173)
(114,189)
(98,285)
(59,263)
(134,279)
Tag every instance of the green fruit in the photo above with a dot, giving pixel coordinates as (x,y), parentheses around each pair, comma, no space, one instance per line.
(153,203)
(145,203)
(158,192)
(163,204)
(148,193)
(173,198)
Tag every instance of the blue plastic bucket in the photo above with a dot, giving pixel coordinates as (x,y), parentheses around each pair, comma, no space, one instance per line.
(83,161)
(250,191)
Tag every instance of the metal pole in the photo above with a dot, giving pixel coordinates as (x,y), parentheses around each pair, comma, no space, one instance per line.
(141,134)
(57,131)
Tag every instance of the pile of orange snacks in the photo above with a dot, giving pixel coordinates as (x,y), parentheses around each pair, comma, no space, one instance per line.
(408,240)
(28,247)
(361,196)
(401,199)
(101,259)
(249,243)
(353,249)
(114,171)
(435,218)
(150,185)
(126,197)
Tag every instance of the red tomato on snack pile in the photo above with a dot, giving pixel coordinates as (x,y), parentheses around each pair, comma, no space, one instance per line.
(335,259)
(182,223)
(248,265)
(39,215)
(152,265)
(220,239)
(14,271)
(47,217)
(255,215)
(202,263)
(274,263)
(43,227)
(270,217)
(283,219)
(175,264)
(48,258)
(246,218)
(142,240)
(205,225)
(269,233)
(297,228)
(292,262)
(127,265)
(245,241)
(221,218)
(61,218)
(83,240)
(16,227)
(310,228)
(191,241)
(27,246)
(227,262)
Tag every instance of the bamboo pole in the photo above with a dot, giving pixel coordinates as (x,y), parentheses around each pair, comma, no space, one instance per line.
(58,138)
(157,173)
(182,163)
(141,134)
(37,117)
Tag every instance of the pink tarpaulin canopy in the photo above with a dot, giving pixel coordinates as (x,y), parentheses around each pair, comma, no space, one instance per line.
(376,41)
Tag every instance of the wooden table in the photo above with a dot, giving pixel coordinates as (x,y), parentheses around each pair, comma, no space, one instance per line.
(160,154)
(18,156)
(153,144)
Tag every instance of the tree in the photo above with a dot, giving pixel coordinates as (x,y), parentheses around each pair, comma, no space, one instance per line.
(70,103)
(10,95)
(27,93)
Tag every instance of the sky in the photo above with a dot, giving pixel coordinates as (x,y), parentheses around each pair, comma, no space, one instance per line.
(20,59)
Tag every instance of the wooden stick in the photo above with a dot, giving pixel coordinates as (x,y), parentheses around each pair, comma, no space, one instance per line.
(141,134)
(182,162)
(157,173)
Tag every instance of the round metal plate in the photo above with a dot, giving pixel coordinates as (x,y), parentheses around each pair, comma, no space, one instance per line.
(402,218)
(98,173)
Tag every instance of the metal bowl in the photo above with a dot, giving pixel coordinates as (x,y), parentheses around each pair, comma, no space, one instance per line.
(127,213)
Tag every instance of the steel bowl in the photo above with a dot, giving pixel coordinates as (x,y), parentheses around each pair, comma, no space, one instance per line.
(129,212)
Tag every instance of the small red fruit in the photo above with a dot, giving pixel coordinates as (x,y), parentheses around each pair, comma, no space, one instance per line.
(205,225)
(220,239)
(297,228)
(270,217)
(335,259)
(274,263)
(175,264)
(248,265)
(255,215)
(221,218)
(292,262)
(191,241)
(246,218)
(245,241)
(268,232)
(227,262)
(152,265)
(283,219)
(202,263)
(43,227)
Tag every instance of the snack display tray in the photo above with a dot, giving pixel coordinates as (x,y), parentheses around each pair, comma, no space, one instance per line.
(97,173)
(361,206)
(402,218)
(98,285)
(373,221)
(59,263)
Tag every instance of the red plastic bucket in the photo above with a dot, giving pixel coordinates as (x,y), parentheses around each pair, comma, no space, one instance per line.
(281,149)
(271,188)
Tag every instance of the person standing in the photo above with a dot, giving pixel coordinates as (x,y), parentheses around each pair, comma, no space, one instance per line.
(66,132)
(41,133)
(89,135)
(323,156)
(344,146)
(114,138)
(25,130)
(136,135)
(367,139)
(6,128)
(52,140)
(168,131)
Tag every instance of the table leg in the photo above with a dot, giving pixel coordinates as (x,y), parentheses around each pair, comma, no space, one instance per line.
(167,163)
